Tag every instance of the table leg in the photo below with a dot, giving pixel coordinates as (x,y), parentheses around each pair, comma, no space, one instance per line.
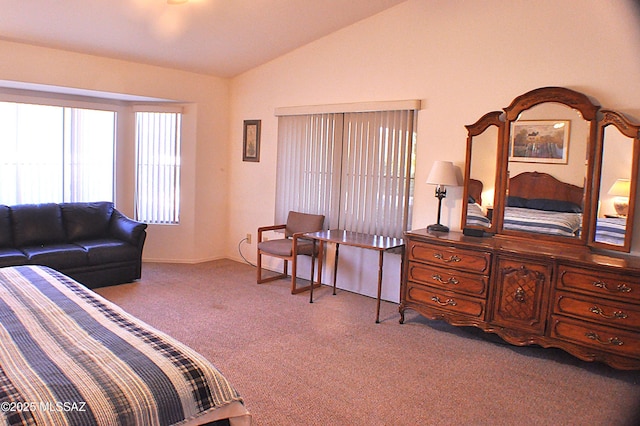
(379,286)
(313,260)
(335,269)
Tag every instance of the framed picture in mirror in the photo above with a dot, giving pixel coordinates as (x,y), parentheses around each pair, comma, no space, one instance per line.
(540,141)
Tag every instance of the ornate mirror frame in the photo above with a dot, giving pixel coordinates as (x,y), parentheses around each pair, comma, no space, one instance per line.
(606,221)
(474,190)
(589,194)
(587,110)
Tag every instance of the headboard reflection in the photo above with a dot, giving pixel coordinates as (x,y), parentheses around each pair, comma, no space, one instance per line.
(475,190)
(535,185)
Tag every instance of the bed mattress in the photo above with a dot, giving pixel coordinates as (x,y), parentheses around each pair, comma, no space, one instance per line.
(70,357)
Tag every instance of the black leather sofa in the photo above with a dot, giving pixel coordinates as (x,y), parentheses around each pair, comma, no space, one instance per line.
(91,242)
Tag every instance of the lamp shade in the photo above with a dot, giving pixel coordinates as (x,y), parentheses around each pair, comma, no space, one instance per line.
(620,188)
(443,173)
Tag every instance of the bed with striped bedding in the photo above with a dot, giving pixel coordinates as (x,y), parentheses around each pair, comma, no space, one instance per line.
(476,217)
(70,357)
(543,222)
(611,230)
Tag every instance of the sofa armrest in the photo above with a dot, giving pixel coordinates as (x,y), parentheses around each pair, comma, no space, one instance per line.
(126,229)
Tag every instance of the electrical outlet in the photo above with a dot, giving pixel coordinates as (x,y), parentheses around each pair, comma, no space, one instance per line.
(248,238)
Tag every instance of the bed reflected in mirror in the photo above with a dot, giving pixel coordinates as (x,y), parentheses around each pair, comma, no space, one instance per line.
(616,188)
(540,203)
(548,146)
(549,161)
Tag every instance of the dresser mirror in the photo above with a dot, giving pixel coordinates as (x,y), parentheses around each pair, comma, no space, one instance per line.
(557,161)
(616,165)
(548,149)
(482,169)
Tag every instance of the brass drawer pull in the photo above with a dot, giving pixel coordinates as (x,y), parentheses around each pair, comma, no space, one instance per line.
(621,288)
(452,258)
(451,280)
(519,295)
(449,302)
(610,341)
(616,315)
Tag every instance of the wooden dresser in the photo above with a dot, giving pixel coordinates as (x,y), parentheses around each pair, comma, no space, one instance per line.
(528,292)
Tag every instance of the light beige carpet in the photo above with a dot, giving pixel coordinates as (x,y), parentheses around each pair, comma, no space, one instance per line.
(328,363)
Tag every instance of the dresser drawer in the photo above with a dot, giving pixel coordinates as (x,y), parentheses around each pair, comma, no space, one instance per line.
(450,257)
(602,311)
(599,283)
(595,336)
(448,279)
(433,298)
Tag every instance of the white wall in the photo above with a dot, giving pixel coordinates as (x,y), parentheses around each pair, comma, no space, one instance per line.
(462,58)
(202,233)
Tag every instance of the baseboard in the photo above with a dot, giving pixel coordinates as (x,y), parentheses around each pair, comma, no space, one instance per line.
(186,261)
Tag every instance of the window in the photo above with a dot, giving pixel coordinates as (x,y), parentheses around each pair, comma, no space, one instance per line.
(356,168)
(55,154)
(158,167)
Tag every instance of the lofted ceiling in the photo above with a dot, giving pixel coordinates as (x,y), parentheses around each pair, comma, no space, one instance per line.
(216,37)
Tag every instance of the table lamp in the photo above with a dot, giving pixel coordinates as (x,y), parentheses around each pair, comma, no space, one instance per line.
(442,174)
(620,190)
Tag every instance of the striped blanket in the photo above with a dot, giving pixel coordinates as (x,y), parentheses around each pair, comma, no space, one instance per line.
(70,357)
(611,230)
(476,217)
(543,222)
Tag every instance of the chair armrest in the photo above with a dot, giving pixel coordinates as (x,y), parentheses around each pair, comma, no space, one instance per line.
(300,236)
(268,228)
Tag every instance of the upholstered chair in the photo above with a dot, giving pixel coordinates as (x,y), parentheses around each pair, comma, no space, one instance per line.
(290,247)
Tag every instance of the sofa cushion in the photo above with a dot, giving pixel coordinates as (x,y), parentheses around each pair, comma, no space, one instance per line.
(11,257)
(37,224)
(6,235)
(57,256)
(86,221)
(284,247)
(108,250)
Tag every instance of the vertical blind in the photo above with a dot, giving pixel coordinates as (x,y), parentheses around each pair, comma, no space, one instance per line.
(55,154)
(376,176)
(89,155)
(158,167)
(307,177)
(355,168)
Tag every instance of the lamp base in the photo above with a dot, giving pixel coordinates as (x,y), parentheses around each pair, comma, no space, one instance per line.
(438,227)
(621,205)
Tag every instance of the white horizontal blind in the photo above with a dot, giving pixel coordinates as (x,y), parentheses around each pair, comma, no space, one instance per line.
(50,156)
(355,168)
(158,167)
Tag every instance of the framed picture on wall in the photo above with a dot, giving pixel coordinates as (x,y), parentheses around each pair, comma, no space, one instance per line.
(251,141)
(540,141)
